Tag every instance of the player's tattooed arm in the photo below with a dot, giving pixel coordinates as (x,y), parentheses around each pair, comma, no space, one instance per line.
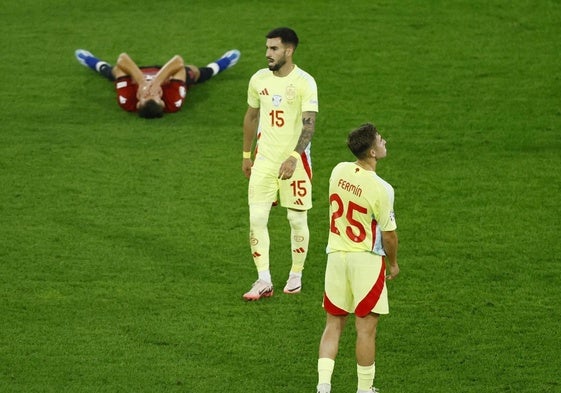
(308,128)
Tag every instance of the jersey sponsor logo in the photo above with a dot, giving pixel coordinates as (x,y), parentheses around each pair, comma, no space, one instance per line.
(264,92)
(277,100)
(122,84)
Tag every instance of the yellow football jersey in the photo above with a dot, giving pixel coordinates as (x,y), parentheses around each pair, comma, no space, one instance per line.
(360,208)
(281,101)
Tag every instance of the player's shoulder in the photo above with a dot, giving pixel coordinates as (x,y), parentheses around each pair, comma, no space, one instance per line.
(352,170)
(344,164)
(383,183)
(300,73)
(262,73)
(303,73)
(260,78)
(342,167)
(303,78)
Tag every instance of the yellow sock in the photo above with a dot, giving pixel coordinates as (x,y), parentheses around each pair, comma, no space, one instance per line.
(365,377)
(259,235)
(325,370)
(299,238)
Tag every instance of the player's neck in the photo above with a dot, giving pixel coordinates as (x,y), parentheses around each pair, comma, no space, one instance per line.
(369,165)
(284,70)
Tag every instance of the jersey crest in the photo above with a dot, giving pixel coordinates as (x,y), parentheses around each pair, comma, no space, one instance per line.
(290,93)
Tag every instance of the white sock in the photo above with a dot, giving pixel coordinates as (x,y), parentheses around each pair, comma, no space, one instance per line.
(365,377)
(215,68)
(99,64)
(265,275)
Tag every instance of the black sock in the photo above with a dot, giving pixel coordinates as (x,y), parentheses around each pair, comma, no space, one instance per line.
(106,71)
(206,74)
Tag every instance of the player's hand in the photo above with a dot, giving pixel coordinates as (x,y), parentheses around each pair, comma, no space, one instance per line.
(143,90)
(149,90)
(246,167)
(155,89)
(287,168)
(394,271)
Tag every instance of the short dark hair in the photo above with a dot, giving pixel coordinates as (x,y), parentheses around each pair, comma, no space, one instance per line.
(361,139)
(151,109)
(286,34)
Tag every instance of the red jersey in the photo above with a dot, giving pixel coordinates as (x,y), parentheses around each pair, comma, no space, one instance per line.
(173,91)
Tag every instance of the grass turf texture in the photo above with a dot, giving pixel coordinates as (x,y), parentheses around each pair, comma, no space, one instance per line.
(124,241)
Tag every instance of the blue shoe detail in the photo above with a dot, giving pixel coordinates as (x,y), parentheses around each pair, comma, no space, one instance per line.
(228,59)
(86,58)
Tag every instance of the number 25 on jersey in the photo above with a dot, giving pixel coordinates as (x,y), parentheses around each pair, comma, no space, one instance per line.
(354,230)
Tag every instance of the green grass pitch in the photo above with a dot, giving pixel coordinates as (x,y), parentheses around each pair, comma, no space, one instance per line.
(123,241)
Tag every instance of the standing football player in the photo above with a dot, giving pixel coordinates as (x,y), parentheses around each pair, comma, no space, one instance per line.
(361,255)
(281,115)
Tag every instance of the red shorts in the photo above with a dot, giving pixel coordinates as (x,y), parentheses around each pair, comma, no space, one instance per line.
(173,92)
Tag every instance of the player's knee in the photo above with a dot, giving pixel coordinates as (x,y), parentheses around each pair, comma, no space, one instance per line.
(259,215)
(298,219)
